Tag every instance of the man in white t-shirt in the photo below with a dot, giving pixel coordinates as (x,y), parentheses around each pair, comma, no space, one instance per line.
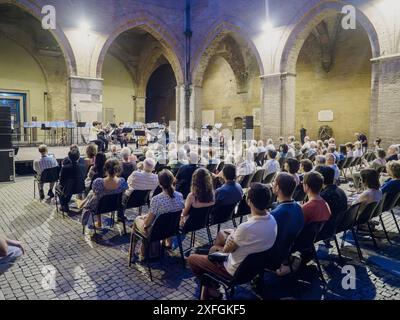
(271,165)
(256,235)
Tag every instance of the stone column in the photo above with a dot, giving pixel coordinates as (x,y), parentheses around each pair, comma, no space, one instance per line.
(278,105)
(195,113)
(140,109)
(385,102)
(86,99)
(180,112)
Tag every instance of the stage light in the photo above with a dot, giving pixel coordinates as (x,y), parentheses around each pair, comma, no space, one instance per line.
(84,26)
(268,26)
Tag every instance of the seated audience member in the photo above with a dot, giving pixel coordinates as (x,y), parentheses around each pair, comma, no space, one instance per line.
(270,145)
(297,149)
(370,180)
(97,170)
(114,154)
(101,187)
(315,209)
(150,155)
(128,164)
(306,165)
(144,179)
(332,194)
(212,159)
(10,251)
(320,160)
(167,201)
(392,153)
(202,193)
(349,150)
(261,147)
(292,166)
(291,152)
(358,151)
(231,192)
(377,143)
(72,177)
(312,150)
(306,144)
(247,166)
(331,162)
(271,165)
(283,151)
(91,151)
(185,174)
(392,187)
(66,159)
(321,149)
(290,141)
(181,161)
(288,214)
(258,234)
(253,147)
(45,162)
(378,164)
(342,152)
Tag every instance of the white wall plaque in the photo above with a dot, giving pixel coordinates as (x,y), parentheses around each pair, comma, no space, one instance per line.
(325,116)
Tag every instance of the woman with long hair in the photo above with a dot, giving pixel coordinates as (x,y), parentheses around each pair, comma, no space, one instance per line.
(97,170)
(202,193)
(167,201)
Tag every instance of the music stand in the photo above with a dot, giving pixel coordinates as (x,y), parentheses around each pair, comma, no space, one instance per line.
(79,127)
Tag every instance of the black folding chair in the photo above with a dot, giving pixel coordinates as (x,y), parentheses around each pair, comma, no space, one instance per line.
(269,178)
(218,215)
(347,163)
(365,215)
(71,187)
(242,210)
(221,166)
(389,207)
(260,159)
(50,175)
(108,204)
(245,181)
(250,267)
(306,242)
(258,176)
(197,220)
(212,167)
(137,199)
(299,194)
(164,227)
(348,222)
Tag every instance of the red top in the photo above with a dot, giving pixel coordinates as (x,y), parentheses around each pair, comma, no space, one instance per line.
(316,211)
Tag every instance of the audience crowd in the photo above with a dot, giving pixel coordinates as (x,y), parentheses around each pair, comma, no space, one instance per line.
(285,186)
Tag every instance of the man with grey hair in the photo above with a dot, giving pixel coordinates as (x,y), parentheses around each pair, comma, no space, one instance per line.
(331,162)
(320,160)
(185,173)
(393,153)
(143,179)
(45,162)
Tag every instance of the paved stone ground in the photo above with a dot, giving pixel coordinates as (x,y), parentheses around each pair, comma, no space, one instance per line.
(61,263)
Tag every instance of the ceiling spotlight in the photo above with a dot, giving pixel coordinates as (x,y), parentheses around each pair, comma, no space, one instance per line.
(84,26)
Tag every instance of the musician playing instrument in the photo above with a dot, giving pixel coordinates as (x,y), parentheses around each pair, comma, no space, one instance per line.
(121,136)
(98,136)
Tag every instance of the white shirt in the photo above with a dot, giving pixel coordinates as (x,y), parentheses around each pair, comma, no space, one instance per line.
(271,166)
(256,235)
(245,168)
(93,134)
(141,180)
(357,153)
(291,153)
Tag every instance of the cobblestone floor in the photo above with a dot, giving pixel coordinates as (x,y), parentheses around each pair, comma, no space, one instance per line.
(61,263)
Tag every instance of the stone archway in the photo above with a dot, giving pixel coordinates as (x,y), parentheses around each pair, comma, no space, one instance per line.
(285,82)
(226,50)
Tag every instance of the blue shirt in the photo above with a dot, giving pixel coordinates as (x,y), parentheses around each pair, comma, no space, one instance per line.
(229,193)
(391,188)
(290,220)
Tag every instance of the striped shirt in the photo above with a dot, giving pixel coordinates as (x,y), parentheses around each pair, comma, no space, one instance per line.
(141,180)
(46,162)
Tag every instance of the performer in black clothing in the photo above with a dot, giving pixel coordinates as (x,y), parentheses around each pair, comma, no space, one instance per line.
(303,134)
(364,141)
(121,136)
